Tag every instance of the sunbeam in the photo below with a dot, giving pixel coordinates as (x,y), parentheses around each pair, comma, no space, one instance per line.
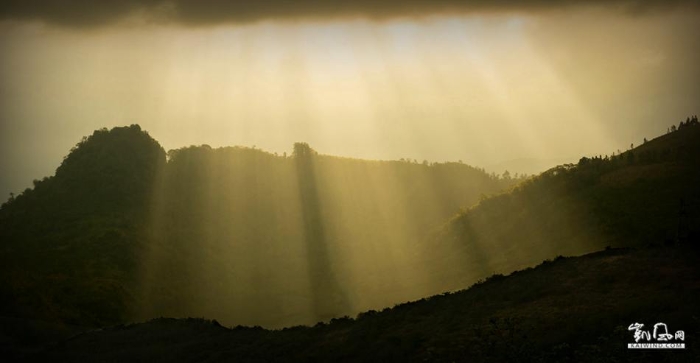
(310,164)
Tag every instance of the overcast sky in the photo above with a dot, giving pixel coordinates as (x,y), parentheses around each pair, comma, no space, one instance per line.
(480,81)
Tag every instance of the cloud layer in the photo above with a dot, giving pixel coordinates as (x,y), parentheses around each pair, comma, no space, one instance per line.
(87,13)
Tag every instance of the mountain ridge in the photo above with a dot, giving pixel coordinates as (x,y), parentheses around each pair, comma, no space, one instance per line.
(125,231)
(247,237)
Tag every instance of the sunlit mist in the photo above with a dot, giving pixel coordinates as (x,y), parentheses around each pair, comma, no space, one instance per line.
(484,89)
(254,238)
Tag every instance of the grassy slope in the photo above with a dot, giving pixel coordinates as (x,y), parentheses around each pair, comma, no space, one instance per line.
(570,309)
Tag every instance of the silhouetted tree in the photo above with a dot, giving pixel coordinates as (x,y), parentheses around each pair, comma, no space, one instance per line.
(301,149)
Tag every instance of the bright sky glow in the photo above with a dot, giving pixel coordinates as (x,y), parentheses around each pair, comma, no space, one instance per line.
(480,88)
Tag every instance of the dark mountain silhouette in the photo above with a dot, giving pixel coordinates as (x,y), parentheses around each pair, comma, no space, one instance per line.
(570,309)
(122,234)
(70,245)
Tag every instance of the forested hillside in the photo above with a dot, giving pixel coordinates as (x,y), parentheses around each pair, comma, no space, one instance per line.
(648,195)
(124,232)
(121,233)
(70,246)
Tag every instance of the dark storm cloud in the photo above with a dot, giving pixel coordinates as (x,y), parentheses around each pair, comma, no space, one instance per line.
(80,13)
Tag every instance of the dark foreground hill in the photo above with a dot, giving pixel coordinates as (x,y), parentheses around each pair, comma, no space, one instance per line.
(567,310)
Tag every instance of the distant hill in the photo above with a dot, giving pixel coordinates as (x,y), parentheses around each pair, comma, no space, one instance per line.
(124,231)
(567,310)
